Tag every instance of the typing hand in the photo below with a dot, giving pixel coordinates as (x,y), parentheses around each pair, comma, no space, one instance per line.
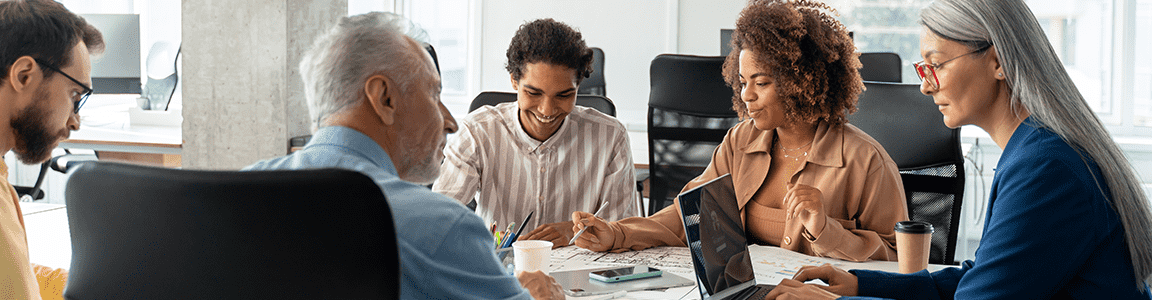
(839,281)
(540,285)
(791,289)
(807,204)
(599,236)
(557,233)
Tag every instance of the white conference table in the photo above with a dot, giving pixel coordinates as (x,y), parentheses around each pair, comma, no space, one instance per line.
(49,244)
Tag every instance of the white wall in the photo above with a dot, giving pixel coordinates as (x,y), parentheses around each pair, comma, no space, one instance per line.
(700,24)
(630,32)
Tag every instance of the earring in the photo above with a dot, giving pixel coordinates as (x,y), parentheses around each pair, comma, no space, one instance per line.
(1000,75)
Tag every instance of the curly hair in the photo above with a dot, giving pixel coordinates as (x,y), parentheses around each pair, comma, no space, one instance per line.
(809,54)
(549,41)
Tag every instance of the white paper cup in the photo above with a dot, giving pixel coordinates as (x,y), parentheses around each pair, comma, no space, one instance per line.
(532,255)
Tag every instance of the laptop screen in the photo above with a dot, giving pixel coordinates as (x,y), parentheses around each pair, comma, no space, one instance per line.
(715,236)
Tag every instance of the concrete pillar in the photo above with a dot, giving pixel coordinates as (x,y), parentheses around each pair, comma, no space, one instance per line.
(243,97)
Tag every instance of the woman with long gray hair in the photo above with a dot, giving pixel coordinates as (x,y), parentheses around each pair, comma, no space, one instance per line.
(1066,215)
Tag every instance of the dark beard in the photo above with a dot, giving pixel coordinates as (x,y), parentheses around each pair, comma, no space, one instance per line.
(34,142)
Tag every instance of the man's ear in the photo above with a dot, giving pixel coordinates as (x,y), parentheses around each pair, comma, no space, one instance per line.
(381,95)
(515,84)
(20,74)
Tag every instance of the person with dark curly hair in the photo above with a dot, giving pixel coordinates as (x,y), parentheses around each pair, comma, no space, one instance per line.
(542,154)
(805,180)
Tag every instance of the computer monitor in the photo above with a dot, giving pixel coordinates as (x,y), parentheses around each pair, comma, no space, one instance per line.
(117,71)
(725,38)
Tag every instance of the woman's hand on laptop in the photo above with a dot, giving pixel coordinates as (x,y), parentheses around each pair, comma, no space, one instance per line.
(599,236)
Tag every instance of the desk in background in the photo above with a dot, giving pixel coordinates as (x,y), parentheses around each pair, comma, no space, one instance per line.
(105,128)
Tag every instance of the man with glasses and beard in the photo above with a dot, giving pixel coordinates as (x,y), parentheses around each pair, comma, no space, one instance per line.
(44,51)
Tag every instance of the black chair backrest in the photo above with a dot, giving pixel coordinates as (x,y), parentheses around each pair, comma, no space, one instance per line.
(152,233)
(910,128)
(594,84)
(35,191)
(597,102)
(880,66)
(689,112)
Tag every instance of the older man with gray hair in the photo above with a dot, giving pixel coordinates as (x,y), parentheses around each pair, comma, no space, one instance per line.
(374,98)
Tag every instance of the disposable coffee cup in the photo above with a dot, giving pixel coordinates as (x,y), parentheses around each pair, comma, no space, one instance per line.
(532,255)
(913,241)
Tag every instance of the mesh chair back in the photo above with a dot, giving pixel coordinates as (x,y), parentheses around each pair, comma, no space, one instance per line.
(599,103)
(689,112)
(594,84)
(151,233)
(880,66)
(909,126)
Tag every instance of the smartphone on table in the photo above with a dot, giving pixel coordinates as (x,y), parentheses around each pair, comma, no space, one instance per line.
(625,273)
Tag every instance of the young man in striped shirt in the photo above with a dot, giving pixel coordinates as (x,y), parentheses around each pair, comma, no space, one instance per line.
(542,154)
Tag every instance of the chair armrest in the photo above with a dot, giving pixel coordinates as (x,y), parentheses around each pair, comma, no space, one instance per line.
(63,162)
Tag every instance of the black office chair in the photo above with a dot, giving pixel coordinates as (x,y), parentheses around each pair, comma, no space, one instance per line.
(594,84)
(689,112)
(597,102)
(34,192)
(880,66)
(910,128)
(152,233)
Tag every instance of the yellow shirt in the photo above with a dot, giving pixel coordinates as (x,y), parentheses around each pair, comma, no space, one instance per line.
(20,279)
(16,278)
(861,187)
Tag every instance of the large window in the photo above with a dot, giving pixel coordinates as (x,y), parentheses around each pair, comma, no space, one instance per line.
(450,25)
(1142,73)
(1084,34)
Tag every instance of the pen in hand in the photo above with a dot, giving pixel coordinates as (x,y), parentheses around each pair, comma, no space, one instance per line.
(596,214)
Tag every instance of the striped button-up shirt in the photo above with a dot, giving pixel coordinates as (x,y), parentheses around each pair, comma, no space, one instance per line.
(585,164)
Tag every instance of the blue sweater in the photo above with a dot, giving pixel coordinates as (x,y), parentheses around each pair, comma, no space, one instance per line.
(1050,232)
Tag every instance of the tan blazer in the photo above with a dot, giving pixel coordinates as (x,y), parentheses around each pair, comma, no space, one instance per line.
(863,195)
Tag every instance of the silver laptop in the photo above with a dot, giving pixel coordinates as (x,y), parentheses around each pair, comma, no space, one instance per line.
(716,238)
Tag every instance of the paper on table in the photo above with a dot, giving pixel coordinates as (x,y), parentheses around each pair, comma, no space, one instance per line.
(670,259)
(773,264)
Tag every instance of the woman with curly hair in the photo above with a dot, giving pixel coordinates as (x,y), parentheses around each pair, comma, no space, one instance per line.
(805,180)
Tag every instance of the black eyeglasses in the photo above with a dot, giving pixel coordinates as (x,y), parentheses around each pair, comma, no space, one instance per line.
(79,98)
(927,72)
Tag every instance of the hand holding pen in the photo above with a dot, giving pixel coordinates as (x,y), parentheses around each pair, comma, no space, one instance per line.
(592,232)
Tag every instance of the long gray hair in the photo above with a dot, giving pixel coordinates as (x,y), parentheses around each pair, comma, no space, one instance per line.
(1040,84)
(340,61)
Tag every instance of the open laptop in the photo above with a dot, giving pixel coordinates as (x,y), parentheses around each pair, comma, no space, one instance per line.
(715,236)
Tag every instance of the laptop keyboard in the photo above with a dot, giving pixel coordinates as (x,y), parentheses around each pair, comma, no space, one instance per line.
(756,292)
